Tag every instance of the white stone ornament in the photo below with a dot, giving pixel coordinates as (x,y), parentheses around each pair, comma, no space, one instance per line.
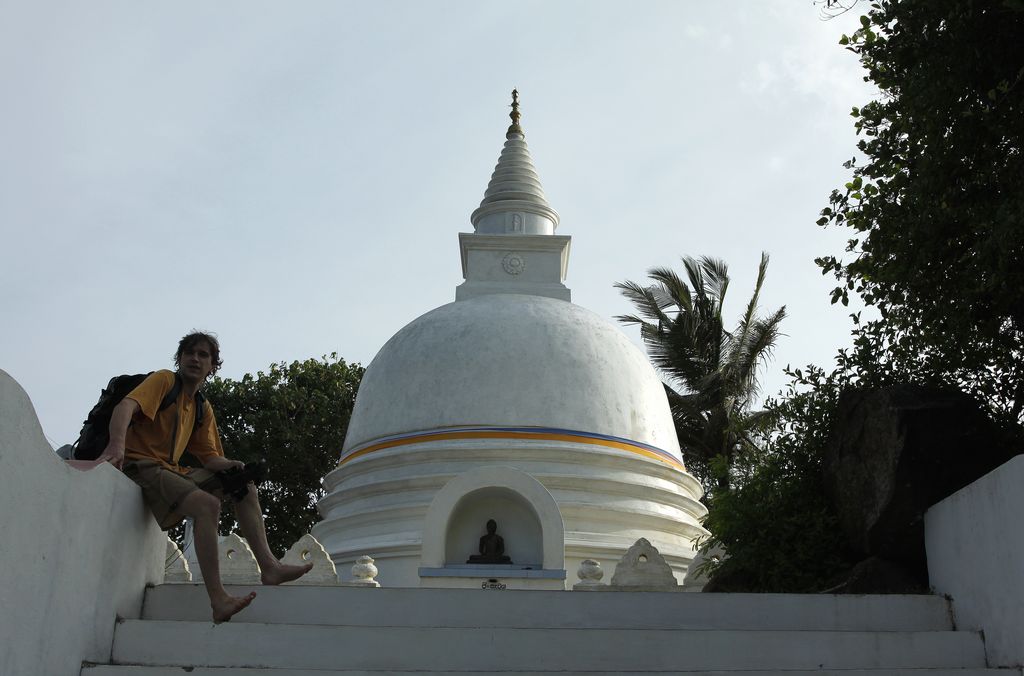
(643,566)
(237,563)
(363,573)
(590,574)
(697,573)
(305,550)
(513,263)
(176,567)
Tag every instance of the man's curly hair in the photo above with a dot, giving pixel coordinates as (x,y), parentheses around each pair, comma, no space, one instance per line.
(191,340)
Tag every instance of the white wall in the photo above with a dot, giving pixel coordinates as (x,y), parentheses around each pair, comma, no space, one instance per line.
(975,545)
(76,550)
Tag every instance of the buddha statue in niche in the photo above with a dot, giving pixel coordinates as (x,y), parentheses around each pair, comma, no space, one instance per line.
(492,547)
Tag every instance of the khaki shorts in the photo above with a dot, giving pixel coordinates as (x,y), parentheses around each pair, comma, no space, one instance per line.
(164,490)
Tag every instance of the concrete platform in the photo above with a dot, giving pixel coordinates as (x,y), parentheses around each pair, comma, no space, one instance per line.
(161,643)
(129,670)
(537,609)
(341,631)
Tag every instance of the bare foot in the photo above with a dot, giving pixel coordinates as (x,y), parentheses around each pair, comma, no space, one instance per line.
(229,605)
(284,573)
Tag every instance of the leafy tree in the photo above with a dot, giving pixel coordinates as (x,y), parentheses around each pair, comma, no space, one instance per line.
(712,373)
(295,416)
(936,208)
(779,530)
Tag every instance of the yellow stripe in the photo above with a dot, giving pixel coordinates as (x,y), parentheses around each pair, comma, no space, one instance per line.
(445,436)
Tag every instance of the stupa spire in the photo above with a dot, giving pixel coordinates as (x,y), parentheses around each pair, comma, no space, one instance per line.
(514,202)
(514,128)
(515,248)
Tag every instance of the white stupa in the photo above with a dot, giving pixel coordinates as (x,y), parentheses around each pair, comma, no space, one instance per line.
(511,404)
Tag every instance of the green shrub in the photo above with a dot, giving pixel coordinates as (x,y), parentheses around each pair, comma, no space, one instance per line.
(774,521)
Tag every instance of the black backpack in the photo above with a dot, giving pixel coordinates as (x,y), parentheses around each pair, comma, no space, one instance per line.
(95,433)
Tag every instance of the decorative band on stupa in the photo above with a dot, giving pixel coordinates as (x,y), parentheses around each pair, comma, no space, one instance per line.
(513,433)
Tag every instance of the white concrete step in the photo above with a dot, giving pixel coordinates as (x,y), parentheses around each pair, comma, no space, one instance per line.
(571,610)
(355,648)
(132,670)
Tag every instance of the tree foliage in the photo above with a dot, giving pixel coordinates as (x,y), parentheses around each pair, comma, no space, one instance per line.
(779,530)
(936,207)
(935,212)
(712,372)
(294,415)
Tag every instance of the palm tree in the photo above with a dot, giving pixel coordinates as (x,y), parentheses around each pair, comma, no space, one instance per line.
(711,374)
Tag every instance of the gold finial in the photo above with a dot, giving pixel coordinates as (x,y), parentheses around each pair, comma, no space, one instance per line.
(514,128)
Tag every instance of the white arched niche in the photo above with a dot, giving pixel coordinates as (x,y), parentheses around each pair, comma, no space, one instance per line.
(528,519)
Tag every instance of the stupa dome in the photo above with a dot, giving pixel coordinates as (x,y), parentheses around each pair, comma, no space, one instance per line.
(512,360)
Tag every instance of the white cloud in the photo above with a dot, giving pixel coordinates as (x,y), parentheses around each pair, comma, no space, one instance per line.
(763,77)
(695,31)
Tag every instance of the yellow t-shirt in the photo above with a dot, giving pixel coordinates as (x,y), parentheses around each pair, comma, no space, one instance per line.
(149,436)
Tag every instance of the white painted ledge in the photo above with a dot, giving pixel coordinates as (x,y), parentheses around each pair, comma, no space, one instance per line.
(78,549)
(975,546)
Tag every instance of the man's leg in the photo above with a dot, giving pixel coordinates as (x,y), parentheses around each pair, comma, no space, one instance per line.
(250,521)
(204,509)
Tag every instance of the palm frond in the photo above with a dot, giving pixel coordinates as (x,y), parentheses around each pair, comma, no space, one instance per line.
(758,349)
(629,319)
(695,274)
(762,272)
(673,286)
(644,300)
(756,421)
(716,272)
(741,335)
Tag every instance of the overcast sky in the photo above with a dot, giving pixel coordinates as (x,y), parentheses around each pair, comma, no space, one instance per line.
(293,176)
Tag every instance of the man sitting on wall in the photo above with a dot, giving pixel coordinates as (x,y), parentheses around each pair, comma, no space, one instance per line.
(147,443)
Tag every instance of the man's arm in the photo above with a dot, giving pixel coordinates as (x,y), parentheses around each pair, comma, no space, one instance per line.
(119,421)
(218,463)
(205,444)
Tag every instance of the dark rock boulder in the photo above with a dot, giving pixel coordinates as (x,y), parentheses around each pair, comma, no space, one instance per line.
(875,575)
(894,452)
